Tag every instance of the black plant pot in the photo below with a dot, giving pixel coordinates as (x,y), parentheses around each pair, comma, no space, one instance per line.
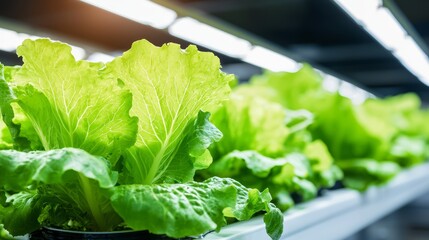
(47,233)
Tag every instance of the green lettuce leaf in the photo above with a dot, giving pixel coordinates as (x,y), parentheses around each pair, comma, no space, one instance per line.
(5,138)
(282,176)
(327,178)
(360,174)
(70,103)
(192,208)
(170,86)
(400,121)
(295,177)
(297,90)
(417,123)
(250,123)
(325,173)
(12,134)
(20,213)
(348,136)
(408,151)
(24,134)
(26,130)
(273,220)
(69,179)
(298,120)
(395,111)
(192,153)
(257,147)
(232,164)
(360,133)
(4,234)
(319,156)
(79,112)
(312,117)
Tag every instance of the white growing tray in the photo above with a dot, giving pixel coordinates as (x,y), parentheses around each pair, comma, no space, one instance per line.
(339,213)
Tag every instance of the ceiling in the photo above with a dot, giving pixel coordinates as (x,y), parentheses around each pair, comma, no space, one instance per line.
(314,31)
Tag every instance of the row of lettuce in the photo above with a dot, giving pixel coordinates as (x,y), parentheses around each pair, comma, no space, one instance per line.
(156,140)
(286,132)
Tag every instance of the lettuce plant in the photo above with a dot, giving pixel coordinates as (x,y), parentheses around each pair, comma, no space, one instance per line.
(265,145)
(358,139)
(100,147)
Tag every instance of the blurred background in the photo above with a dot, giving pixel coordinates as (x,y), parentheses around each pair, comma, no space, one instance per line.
(363,48)
(315,31)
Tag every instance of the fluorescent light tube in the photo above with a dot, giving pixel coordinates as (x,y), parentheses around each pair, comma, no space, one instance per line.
(330,83)
(270,60)
(360,10)
(141,11)
(377,20)
(78,52)
(9,40)
(100,57)
(207,36)
(413,58)
(385,28)
(355,94)
(333,84)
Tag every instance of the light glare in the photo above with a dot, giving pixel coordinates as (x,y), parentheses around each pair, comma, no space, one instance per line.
(207,36)
(355,94)
(9,40)
(141,11)
(330,83)
(100,57)
(270,60)
(413,58)
(359,9)
(385,28)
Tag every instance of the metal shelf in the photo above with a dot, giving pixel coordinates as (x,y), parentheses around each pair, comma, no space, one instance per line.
(337,214)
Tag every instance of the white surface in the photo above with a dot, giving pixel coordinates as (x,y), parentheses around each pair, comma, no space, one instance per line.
(339,213)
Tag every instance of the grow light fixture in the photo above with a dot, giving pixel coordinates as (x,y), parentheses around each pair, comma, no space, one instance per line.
(413,58)
(78,52)
(100,57)
(385,28)
(355,94)
(330,83)
(207,36)
(334,84)
(197,32)
(215,39)
(194,31)
(10,40)
(270,60)
(141,11)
